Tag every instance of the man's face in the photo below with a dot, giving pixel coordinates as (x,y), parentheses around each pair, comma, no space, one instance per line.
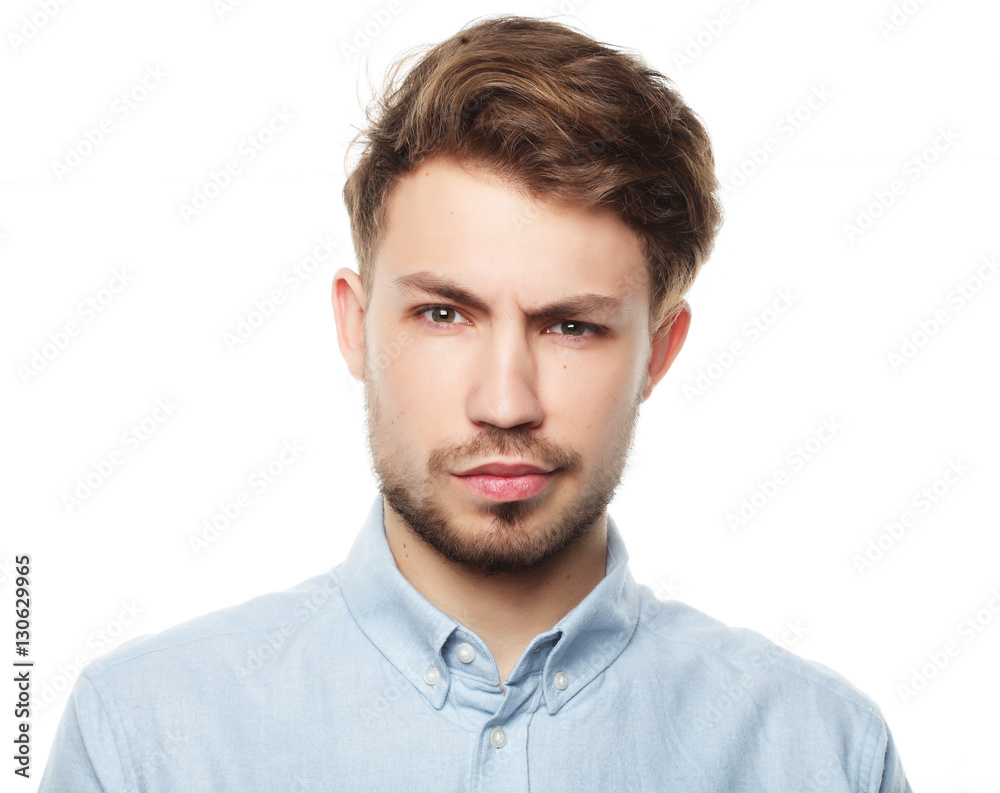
(480,365)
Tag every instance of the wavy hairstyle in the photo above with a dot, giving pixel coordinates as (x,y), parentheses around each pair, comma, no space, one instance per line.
(562,116)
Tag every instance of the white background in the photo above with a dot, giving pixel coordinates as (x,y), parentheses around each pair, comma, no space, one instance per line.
(910,95)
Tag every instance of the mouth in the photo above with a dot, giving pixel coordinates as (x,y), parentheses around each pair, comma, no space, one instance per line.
(506,482)
(505,469)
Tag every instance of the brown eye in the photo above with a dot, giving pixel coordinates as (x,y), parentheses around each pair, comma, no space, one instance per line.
(442,315)
(575,329)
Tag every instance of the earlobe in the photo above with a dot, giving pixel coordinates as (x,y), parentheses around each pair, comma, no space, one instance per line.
(349,309)
(667,343)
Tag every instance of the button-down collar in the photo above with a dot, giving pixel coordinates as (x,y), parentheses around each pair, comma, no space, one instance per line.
(412,633)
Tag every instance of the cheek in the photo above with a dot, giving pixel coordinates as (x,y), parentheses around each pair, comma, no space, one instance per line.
(593,396)
(601,376)
(423,384)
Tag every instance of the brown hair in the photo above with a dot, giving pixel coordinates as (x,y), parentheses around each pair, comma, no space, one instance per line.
(567,118)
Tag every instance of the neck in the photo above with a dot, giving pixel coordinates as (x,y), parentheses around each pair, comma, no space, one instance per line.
(506,610)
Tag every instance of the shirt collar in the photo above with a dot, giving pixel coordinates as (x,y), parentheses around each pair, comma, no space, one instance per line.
(411,632)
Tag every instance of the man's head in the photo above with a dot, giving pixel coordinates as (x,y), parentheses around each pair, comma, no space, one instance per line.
(529,208)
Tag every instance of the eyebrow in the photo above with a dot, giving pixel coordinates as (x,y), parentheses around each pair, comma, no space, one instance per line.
(585,305)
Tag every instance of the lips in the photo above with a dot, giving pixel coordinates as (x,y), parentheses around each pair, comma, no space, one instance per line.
(504,469)
(506,481)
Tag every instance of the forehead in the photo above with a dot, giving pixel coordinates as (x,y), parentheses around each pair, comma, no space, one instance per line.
(464,224)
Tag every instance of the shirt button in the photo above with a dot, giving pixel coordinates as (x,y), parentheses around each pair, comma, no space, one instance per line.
(560,680)
(498,738)
(432,676)
(466,652)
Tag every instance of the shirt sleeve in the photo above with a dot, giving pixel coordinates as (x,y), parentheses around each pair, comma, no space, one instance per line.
(887,775)
(84,757)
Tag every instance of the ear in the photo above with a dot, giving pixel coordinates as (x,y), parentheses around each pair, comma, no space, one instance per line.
(349,308)
(667,342)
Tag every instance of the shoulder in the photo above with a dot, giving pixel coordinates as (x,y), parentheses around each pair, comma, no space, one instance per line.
(732,686)
(227,633)
(740,663)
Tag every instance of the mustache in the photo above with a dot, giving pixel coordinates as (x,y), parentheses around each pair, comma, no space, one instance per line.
(497,442)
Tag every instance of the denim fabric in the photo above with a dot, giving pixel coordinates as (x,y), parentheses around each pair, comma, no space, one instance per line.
(353,681)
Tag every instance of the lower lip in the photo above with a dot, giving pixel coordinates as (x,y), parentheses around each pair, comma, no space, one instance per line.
(506,488)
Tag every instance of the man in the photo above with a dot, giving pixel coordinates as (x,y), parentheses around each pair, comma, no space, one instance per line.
(528,210)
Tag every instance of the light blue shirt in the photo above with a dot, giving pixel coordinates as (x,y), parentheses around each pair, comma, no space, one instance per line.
(353,681)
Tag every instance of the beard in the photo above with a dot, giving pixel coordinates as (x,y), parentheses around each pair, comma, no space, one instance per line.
(518,535)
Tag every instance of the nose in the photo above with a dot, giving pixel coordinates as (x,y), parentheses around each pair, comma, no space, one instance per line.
(504,383)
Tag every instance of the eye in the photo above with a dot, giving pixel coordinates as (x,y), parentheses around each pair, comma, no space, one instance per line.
(576,329)
(441,315)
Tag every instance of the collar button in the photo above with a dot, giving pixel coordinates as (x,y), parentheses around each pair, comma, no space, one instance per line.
(466,652)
